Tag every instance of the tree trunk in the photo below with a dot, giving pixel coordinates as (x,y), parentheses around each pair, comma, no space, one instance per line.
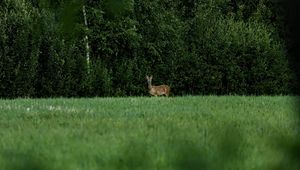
(86,38)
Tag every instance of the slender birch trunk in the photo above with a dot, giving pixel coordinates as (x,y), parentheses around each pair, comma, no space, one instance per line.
(86,38)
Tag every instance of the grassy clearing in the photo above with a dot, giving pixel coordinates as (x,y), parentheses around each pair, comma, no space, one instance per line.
(203,132)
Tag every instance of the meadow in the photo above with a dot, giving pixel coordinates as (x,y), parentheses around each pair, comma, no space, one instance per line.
(191,132)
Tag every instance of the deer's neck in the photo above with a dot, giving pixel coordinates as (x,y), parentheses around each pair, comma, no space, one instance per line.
(149,85)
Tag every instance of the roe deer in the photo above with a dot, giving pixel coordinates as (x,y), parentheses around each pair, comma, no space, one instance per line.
(157,90)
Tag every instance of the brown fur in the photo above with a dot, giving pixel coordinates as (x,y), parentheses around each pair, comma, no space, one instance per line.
(157,90)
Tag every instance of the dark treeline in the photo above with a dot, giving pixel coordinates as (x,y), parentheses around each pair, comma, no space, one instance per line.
(196,46)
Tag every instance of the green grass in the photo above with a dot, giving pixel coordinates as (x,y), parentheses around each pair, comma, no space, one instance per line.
(200,132)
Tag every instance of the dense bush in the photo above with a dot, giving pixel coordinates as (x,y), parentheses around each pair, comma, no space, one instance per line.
(197,47)
(18,55)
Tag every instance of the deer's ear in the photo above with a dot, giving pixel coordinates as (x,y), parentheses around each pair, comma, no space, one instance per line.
(147,77)
(151,77)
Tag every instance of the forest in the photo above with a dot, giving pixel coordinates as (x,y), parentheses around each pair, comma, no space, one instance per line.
(87,48)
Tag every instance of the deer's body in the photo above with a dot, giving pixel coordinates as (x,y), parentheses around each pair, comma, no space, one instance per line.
(157,90)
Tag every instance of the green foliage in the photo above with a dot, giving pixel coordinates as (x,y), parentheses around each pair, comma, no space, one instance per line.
(18,56)
(196,47)
(238,57)
(100,80)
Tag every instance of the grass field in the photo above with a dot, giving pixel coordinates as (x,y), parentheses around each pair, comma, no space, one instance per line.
(192,132)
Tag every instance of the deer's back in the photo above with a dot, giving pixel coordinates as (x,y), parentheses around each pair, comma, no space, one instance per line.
(160,90)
